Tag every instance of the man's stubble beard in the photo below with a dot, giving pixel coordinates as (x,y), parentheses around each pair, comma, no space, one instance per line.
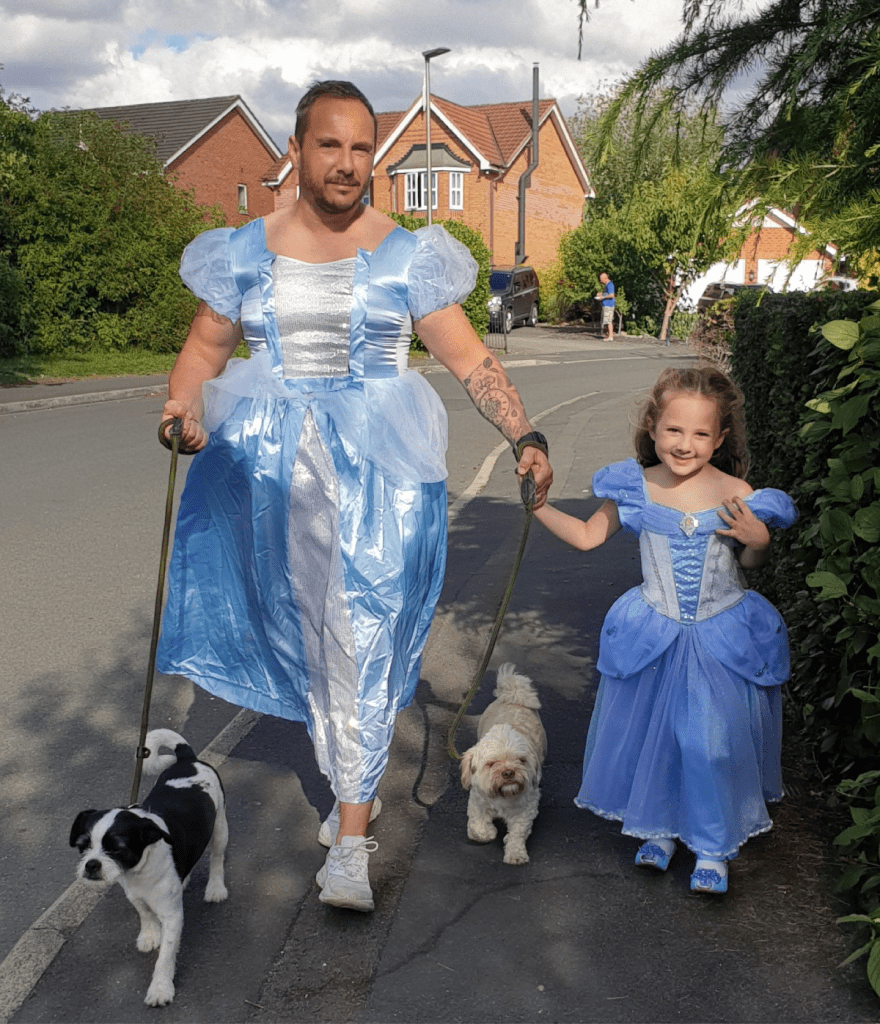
(316,195)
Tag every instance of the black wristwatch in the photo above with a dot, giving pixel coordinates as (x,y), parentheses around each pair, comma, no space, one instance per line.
(531,440)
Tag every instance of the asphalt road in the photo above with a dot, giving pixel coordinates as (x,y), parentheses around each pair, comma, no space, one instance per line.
(576,935)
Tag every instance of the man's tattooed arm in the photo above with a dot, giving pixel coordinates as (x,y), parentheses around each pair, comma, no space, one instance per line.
(497,399)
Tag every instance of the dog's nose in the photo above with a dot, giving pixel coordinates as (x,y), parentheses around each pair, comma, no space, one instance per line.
(508,773)
(93,869)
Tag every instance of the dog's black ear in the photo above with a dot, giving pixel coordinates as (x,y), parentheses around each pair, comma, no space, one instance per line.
(81,826)
(149,832)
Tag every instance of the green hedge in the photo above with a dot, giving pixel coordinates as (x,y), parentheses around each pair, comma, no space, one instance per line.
(91,232)
(810,369)
(782,361)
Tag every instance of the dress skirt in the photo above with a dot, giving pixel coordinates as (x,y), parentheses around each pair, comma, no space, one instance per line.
(306,571)
(687,747)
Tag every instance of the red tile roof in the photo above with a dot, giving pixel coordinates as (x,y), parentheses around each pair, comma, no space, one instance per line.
(498,130)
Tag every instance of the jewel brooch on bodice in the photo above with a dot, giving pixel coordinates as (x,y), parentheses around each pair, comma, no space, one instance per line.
(689,524)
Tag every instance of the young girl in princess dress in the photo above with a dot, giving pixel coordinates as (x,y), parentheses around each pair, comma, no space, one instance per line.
(685,739)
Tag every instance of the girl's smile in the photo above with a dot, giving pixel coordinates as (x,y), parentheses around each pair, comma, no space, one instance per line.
(687,433)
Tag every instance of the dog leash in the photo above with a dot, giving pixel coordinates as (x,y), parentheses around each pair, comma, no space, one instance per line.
(173,443)
(527,492)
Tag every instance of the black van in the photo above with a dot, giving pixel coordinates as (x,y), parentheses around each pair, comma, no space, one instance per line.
(514,298)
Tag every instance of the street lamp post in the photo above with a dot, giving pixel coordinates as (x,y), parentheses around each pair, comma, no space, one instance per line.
(428,54)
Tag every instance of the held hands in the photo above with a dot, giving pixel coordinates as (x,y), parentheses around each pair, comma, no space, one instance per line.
(192,437)
(535,460)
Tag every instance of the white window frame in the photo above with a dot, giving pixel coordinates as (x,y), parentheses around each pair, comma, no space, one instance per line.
(414,190)
(456,190)
(242,199)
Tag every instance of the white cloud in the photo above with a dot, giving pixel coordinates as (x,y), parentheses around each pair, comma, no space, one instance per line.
(83,53)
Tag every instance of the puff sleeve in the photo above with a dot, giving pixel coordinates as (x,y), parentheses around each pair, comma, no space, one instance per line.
(442,272)
(623,483)
(773,507)
(206,269)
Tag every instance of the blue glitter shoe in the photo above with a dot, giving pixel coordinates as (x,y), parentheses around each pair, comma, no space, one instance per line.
(650,855)
(708,880)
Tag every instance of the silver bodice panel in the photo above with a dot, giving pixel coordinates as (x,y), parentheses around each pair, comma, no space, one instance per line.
(313,309)
(690,578)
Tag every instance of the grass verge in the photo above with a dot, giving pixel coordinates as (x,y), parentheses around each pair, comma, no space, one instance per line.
(51,369)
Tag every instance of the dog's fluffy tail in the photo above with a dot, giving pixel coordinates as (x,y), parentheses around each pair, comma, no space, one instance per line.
(157,738)
(513,688)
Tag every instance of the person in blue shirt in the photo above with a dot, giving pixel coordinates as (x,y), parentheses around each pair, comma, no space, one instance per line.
(607,298)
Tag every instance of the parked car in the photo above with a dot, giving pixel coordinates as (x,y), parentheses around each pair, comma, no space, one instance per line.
(718,290)
(514,298)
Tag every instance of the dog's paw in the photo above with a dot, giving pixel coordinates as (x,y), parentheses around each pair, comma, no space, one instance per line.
(215,891)
(515,855)
(482,833)
(150,936)
(160,992)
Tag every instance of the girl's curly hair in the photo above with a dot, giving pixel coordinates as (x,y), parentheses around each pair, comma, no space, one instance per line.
(732,455)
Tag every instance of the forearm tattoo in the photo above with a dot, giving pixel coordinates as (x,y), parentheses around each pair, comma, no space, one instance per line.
(497,399)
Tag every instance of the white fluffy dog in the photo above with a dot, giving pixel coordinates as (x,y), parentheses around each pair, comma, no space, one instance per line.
(503,771)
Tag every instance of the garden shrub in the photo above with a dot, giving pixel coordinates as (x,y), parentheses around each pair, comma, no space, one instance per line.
(713,333)
(810,369)
(91,240)
(556,294)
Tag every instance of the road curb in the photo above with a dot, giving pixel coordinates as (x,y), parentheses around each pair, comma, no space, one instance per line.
(86,399)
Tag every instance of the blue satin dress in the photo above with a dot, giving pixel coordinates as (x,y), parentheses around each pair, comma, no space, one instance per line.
(685,737)
(311,538)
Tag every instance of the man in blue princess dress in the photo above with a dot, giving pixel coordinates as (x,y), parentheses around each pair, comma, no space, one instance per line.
(311,539)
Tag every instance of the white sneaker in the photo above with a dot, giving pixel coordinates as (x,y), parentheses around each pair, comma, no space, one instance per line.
(343,880)
(330,827)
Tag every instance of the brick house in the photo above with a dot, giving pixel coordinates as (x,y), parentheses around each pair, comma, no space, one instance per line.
(478,155)
(761,260)
(215,147)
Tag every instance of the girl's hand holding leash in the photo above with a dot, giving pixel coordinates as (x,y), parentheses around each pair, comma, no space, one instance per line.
(745,527)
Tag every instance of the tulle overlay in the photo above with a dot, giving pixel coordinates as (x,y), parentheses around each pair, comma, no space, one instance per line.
(311,539)
(686,733)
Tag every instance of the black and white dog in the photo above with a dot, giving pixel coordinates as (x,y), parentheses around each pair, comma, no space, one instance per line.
(151,848)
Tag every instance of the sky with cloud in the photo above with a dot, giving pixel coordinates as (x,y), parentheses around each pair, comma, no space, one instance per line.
(94,53)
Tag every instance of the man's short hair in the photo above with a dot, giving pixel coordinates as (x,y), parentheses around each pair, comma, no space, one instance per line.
(336,89)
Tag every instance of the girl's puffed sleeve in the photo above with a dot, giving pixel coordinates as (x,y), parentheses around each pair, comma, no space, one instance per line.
(206,269)
(773,507)
(442,272)
(622,482)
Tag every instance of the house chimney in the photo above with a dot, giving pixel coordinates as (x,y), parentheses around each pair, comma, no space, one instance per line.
(525,180)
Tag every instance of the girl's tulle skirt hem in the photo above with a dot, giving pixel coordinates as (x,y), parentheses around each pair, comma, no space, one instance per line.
(686,748)
(645,834)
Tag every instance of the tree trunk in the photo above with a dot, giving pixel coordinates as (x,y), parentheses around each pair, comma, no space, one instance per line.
(672,297)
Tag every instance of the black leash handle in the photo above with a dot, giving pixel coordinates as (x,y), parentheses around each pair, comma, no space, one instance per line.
(528,492)
(176,425)
(142,752)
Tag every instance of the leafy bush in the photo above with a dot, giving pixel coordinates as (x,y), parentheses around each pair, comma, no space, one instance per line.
(813,409)
(782,363)
(713,333)
(682,323)
(556,294)
(91,241)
